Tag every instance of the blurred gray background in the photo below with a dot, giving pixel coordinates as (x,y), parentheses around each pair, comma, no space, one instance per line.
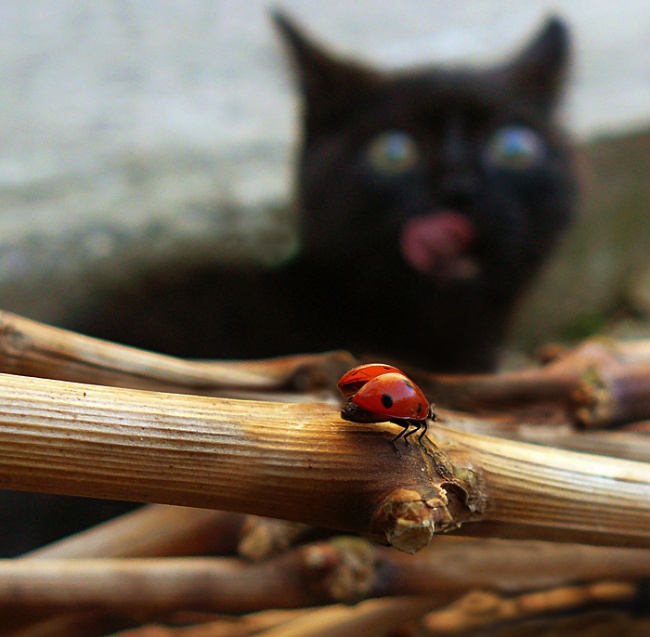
(135,132)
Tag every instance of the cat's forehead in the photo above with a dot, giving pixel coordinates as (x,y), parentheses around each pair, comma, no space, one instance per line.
(431,95)
(428,88)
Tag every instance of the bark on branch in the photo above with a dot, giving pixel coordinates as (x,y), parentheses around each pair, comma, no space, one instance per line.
(345,570)
(601,383)
(302,462)
(31,348)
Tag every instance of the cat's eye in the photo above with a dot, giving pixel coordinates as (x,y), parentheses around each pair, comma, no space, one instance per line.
(514,148)
(393,153)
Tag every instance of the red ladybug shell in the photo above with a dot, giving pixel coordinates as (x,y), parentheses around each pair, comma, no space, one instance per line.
(351,382)
(392,396)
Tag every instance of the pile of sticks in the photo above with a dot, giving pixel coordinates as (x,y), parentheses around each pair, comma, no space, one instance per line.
(526,506)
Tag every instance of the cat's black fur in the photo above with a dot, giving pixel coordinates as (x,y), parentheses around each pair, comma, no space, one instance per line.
(380,149)
(384,157)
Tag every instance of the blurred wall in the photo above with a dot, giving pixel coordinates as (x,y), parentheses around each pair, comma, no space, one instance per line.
(134,130)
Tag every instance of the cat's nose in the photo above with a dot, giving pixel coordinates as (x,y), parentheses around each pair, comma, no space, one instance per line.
(458,191)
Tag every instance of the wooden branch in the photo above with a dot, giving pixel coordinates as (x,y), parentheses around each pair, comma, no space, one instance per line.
(87,623)
(224,626)
(30,348)
(347,569)
(294,461)
(630,443)
(367,619)
(302,462)
(600,383)
(154,530)
(534,485)
(263,537)
(612,395)
(483,609)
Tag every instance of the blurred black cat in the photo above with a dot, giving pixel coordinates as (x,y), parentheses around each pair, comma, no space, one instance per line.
(430,197)
(427,198)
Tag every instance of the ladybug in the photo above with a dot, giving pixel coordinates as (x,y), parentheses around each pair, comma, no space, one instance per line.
(377,392)
(352,381)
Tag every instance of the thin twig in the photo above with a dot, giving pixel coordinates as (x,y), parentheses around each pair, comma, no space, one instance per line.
(348,569)
(600,383)
(483,609)
(225,626)
(78,624)
(630,443)
(154,530)
(34,349)
(372,618)
(263,537)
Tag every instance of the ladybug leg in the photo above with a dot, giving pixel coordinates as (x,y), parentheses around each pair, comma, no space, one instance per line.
(401,433)
(424,430)
(416,427)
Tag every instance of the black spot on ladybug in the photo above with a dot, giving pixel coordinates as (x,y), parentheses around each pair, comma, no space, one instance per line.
(387,400)
(419,408)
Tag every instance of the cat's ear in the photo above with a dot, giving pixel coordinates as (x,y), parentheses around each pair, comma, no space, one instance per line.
(539,71)
(329,84)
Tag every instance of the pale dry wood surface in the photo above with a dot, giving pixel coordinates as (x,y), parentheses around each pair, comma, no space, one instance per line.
(302,462)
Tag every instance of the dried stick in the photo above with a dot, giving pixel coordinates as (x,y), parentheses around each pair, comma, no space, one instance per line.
(77,624)
(348,569)
(600,383)
(631,444)
(225,626)
(612,395)
(263,537)
(154,530)
(34,349)
(302,462)
(534,485)
(483,609)
(371,618)
(300,373)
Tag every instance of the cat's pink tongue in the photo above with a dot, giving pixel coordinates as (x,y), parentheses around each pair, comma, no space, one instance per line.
(438,244)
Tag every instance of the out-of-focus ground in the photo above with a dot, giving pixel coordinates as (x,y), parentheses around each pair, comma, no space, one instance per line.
(133,133)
